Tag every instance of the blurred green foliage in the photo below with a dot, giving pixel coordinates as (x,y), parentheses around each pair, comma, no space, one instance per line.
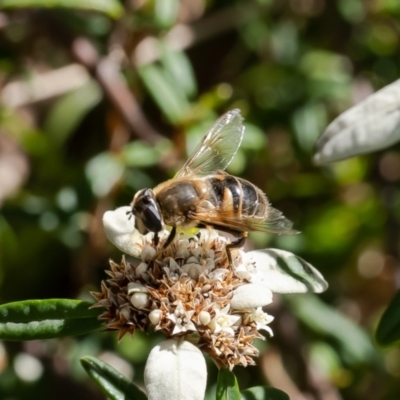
(75,142)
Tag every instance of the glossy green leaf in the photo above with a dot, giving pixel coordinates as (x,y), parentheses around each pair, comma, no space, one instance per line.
(111,8)
(178,66)
(227,386)
(139,154)
(104,171)
(165,93)
(263,393)
(115,385)
(45,319)
(356,347)
(388,331)
(69,111)
(166,12)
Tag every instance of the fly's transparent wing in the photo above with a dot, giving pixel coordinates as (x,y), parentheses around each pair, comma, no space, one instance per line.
(218,147)
(275,222)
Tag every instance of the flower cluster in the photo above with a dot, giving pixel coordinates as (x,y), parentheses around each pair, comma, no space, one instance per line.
(190,289)
(191,293)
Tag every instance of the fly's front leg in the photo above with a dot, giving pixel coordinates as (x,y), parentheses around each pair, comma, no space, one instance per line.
(235,244)
(170,238)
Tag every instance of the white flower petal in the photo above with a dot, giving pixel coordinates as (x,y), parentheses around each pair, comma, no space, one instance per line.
(175,370)
(251,295)
(370,125)
(284,272)
(120,231)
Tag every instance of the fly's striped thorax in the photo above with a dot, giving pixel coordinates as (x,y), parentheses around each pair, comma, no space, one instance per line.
(237,196)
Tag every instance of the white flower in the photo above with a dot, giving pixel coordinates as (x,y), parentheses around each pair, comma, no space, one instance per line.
(119,227)
(261,319)
(175,369)
(223,321)
(191,287)
(182,319)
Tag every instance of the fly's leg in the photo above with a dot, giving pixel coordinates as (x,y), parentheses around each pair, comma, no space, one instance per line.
(235,244)
(156,239)
(170,238)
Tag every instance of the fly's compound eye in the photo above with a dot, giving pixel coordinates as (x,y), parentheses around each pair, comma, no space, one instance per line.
(151,218)
(147,213)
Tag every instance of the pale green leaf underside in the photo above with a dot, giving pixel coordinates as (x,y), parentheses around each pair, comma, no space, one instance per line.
(369,126)
(287,273)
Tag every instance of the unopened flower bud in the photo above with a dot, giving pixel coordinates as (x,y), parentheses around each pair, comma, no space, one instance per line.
(135,287)
(204,317)
(148,253)
(140,300)
(155,316)
(192,269)
(141,269)
(125,312)
(182,252)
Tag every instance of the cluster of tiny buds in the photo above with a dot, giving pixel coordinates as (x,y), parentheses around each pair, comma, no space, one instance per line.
(185,290)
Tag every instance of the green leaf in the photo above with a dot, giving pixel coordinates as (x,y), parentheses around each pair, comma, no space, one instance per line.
(115,385)
(370,125)
(178,66)
(388,331)
(46,319)
(139,154)
(263,393)
(168,97)
(287,273)
(227,386)
(112,8)
(356,347)
(104,171)
(69,111)
(166,12)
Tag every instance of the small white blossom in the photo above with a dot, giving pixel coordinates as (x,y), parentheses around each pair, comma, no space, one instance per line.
(261,319)
(224,321)
(182,319)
